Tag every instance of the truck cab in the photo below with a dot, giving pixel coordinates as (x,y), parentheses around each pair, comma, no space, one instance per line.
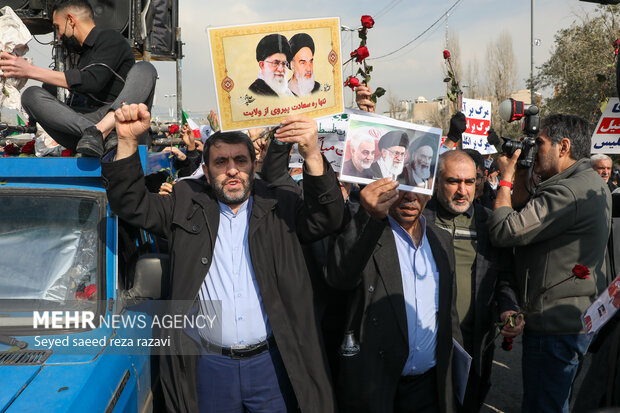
(66,263)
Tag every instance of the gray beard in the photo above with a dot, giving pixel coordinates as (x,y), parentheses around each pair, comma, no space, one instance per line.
(423,173)
(278,86)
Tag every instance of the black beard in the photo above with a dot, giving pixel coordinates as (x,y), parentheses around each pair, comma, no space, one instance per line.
(224,198)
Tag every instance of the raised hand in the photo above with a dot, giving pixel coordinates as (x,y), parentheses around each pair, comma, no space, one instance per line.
(303,131)
(378,196)
(362,98)
(131,122)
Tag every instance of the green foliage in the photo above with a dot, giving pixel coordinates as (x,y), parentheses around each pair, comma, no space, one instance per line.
(579,68)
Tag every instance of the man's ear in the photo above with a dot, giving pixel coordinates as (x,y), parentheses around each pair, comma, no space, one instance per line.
(71,19)
(206,172)
(564,147)
(261,64)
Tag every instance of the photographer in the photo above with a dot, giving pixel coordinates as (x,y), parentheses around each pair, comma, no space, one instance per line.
(565,221)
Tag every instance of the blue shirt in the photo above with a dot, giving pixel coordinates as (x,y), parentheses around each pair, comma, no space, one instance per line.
(421,290)
(231,280)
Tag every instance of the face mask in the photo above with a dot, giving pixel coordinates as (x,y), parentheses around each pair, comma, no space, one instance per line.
(70,43)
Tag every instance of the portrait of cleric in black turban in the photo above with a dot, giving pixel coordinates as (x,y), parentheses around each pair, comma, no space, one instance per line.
(273,53)
(302,81)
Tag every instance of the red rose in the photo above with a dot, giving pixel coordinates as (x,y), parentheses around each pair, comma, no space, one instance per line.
(367,22)
(11,149)
(66,153)
(352,82)
(446,54)
(360,53)
(581,272)
(172,129)
(28,148)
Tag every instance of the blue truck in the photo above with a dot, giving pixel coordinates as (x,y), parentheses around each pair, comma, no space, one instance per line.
(64,255)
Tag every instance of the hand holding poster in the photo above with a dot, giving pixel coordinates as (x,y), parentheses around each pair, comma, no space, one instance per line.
(478,114)
(376,148)
(332,134)
(266,72)
(606,136)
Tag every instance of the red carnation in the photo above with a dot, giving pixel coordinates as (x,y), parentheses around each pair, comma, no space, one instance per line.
(581,272)
(66,153)
(11,149)
(352,82)
(172,129)
(360,53)
(446,54)
(367,21)
(28,148)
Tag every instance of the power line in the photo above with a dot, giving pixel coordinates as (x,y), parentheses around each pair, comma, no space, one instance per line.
(386,9)
(421,34)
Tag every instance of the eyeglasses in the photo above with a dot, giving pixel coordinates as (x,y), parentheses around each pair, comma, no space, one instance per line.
(397,154)
(276,63)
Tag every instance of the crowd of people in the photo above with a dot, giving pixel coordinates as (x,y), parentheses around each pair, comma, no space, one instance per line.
(338,297)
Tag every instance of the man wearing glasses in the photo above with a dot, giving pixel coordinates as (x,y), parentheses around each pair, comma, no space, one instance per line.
(273,53)
(393,148)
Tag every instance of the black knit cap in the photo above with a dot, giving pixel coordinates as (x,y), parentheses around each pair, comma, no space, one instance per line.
(394,138)
(270,44)
(299,41)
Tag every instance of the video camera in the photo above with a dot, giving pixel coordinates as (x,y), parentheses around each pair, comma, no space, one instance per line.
(511,110)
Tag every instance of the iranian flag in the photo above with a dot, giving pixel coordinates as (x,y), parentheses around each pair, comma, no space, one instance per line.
(192,124)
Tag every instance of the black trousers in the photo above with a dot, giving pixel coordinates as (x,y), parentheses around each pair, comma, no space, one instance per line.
(417,394)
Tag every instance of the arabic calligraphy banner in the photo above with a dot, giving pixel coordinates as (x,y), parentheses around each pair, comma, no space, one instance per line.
(478,115)
(332,134)
(606,136)
(377,148)
(266,72)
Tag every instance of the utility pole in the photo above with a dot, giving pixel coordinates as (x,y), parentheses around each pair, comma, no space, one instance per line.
(532,54)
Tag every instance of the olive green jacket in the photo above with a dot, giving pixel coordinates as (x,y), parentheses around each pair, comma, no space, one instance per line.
(566,222)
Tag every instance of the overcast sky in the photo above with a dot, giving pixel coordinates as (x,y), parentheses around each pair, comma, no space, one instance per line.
(414,71)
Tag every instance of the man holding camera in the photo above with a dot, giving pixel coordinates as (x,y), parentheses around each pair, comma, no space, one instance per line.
(564,222)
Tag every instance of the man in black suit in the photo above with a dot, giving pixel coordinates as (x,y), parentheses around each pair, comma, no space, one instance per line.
(273,53)
(403,315)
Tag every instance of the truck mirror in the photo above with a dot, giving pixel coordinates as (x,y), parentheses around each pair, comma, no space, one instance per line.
(151,278)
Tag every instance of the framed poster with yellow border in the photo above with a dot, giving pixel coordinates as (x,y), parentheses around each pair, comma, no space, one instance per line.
(266,72)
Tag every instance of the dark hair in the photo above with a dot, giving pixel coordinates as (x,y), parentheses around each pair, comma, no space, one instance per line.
(232,138)
(574,128)
(477,157)
(63,5)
